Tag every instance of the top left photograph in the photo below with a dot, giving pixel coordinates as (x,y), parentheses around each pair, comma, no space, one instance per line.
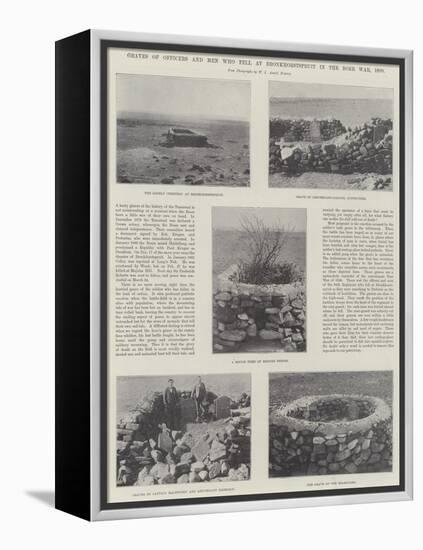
(182,131)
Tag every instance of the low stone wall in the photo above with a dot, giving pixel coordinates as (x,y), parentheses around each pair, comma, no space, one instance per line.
(300,129)
(247,313)
(366,149)
(148,453)
(332,434)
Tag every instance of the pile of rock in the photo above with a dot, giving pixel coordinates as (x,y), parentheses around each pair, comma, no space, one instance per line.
(247,313)
(301,129)
(365,149)
(218,453)
(142,422)
(319,443)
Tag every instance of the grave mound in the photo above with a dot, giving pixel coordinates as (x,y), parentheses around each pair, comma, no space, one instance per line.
(331,434)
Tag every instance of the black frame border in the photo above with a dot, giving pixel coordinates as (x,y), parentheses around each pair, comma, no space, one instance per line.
(250,52)
(72,274)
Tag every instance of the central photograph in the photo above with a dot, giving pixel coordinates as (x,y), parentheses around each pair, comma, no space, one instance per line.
(259,279)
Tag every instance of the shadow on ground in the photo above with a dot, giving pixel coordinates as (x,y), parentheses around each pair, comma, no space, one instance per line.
(46,497)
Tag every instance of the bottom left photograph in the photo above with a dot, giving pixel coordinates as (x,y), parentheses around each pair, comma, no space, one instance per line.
(183,429)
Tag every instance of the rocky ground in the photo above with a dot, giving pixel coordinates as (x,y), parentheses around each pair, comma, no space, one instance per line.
(319,180)
(293,453)
(218,450)
(143,157)
(215,171)
(359,158)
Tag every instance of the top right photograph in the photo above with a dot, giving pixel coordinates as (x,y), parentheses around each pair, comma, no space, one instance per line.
(330,136)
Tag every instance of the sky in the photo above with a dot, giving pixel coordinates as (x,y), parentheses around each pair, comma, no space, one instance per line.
(295,89)
(229,217)
(132,389)
(180,96)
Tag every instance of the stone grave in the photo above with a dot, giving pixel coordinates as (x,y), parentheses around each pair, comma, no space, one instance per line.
(188,411)
(222,407)
(315,135)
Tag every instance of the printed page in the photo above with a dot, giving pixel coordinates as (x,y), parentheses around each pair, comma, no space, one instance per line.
(253,275)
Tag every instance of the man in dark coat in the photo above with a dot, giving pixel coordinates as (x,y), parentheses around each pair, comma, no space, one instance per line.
(171,401)
(199,394)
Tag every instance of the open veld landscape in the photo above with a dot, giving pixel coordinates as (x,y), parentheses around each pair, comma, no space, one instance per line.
(285,388)
(143,155)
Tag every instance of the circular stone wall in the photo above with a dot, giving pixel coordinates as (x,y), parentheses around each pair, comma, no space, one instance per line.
(330,434)
(247,314)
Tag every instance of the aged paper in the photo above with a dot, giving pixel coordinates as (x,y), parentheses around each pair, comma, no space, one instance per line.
(253,275)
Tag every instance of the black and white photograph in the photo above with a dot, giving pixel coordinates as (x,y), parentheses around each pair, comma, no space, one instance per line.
(330,423)
(330,136)
(259,279)
(182,131)
(183,429)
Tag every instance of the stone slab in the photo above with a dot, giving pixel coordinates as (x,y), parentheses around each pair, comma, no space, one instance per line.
(165,442)
(201,449)
(222,407)
(188,411)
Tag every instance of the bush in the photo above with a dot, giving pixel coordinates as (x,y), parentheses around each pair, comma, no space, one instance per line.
(280,274)
(264,246)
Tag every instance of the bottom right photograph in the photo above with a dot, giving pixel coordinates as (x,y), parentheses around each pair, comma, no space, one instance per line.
(330,423)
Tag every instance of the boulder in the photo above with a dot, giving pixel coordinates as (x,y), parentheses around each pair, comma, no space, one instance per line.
(271,311)
(157,456)
(197,467)
(145,481)
(168,478)
(194,477)
(351,468)
(201,449)
(160,470)
(187,458)
(266,334)
(214,470)
(182,468)
(217,452)
(235,335)
(224,467)
(179,450)
(184,478)
(242,316)
(223,296)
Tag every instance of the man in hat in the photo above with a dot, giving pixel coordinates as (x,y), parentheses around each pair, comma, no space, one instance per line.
(171,401)
(199,394)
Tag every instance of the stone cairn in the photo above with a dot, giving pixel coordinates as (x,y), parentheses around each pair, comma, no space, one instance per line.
(332,434)
(246,313)
(365,149)
(149,453)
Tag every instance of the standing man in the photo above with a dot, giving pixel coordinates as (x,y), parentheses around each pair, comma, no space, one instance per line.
(171,400)
(199,394)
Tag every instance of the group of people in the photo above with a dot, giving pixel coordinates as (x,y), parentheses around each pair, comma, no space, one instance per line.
(171,399)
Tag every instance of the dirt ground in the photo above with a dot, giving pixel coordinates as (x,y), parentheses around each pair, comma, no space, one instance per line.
(319,180)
